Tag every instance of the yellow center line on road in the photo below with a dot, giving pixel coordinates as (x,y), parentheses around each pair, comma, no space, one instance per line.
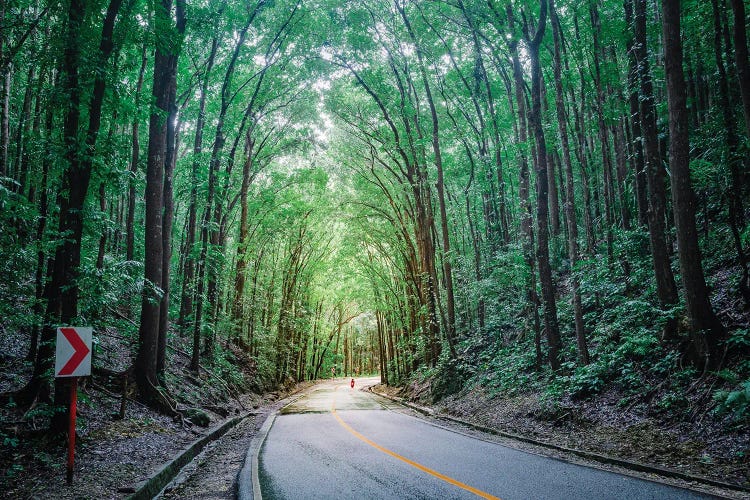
(414,464)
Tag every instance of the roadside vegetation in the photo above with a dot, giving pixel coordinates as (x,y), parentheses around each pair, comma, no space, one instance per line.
(478,200)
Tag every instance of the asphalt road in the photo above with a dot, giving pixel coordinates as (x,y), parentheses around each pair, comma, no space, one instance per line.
(336,442)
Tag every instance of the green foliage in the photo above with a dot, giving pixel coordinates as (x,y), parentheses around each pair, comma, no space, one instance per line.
(623,329)
(739,339)
(587,380)
(14,470)
(9,441)
(674,401)
(342,242)
(449,376)
(43,411)
(735,404)
(503,368)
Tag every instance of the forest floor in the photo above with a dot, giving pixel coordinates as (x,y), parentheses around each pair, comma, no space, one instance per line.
(702,448)
(115,456)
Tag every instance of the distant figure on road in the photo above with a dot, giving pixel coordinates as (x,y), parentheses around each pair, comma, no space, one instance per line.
(333,372)
(352,383)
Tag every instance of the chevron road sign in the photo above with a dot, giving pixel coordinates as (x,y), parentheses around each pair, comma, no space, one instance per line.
(73,352)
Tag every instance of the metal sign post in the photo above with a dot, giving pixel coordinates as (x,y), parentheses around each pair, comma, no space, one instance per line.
(73,360)
(72,428)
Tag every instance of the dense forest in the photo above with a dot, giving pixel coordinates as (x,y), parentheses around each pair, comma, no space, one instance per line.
(529,195)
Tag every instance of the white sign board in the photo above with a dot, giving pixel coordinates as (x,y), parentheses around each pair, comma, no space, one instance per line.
(73,351)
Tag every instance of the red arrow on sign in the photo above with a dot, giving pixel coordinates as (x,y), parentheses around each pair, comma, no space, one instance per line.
(81,351)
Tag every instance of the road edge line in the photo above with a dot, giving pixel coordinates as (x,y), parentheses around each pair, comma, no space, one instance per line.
(157,482)
(596,457)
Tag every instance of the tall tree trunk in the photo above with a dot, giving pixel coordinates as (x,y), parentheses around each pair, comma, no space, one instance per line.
(241,266)
(497,146)
(553,196)
(527,227)
(188,277)
(170,158)
(741,58)
(438,158)
(5,78)
(736,211)
(207,265)
(733,157)
(4,99)
(134,159)
(603,131)
(22,133)
(588,222)
(636,142)
(707,332)
(103,237)
(165,67)
(551,327)
(62,289)
(666,288)
(570,212)
(622,165)
(40,239)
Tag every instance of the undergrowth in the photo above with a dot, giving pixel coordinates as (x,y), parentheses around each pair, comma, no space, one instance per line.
(624,329)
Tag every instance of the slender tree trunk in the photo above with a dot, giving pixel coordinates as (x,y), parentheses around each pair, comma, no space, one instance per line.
(570,212)
(622,166)
(207,265)
(103,237)
(588,222)
(241,266)
(666,288)
(527,228)
(170,158)
(22,133)
(188,277)
(165,67)
(438,158)
(707,332)
(136,151)
(636,144)
(62,289)
(4,100)
(551,327)
(733,158)
(553,196)
(5,79)
(603,131)
(40,239)
(741,58)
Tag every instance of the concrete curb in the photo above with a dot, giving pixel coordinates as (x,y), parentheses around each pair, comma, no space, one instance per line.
(596,457)
(156,483)
(248,482)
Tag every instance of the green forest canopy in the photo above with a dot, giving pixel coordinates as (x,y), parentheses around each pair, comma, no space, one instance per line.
(525,190)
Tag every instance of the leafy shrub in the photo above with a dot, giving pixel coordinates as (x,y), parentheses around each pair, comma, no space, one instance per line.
(586,381)
(736,403)
(8,440)
(449,376)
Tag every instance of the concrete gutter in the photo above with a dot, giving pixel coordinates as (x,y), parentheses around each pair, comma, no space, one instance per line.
(156,483)
(248,481)
(596,457)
